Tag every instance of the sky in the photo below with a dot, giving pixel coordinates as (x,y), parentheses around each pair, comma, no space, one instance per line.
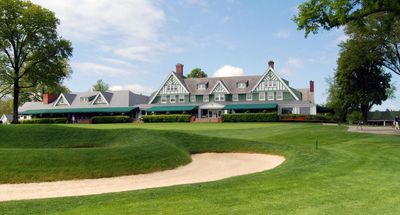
(135,44)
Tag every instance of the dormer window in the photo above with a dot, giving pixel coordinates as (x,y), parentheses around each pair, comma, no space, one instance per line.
(242,85)
(62,101)
(201,86)
(84,99)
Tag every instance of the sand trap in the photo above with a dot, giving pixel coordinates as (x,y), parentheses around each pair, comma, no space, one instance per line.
(374,130)
(204,167)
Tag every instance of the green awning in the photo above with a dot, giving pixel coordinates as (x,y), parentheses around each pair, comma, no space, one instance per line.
(79,110)
(172,108)
(263,106)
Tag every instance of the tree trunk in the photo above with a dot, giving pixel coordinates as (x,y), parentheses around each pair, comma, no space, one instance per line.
(364,112)
(15,102)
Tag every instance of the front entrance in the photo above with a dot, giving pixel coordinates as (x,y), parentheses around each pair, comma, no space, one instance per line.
(213,113)
(211,110)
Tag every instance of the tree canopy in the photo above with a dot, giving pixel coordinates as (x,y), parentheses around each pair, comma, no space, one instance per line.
(100,86)
(197,73)
(31,51)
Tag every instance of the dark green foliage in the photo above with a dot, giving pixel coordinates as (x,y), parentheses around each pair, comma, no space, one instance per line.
(45,121)
(100,86)
(197,73)
(250,117)
(110,119)
(167,118)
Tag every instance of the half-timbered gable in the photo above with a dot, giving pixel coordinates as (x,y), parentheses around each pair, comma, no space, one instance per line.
(172,87)
(219,88)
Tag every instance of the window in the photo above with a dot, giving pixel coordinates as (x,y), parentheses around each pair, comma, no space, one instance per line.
(249,97)
(84,99)
(270,83)
(172,99)
(193,98)
(201,86)
(242,85)
(279,95)
(62,101)
(271,96)
(219,97)
(172,88)
(261,96)
(206,98)
(181,98)
(163,99)
(235,97)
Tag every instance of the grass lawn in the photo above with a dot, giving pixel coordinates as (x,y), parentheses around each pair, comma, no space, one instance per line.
(351,173)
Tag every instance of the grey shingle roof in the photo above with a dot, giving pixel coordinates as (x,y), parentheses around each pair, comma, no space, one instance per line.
(124,98)
(229,82)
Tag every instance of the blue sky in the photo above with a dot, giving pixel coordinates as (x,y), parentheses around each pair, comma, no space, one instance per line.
(134,44)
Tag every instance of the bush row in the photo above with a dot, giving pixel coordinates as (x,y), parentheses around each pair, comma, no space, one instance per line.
(167,118)
(45,121)
(110,119)
(250,117)
(305,118)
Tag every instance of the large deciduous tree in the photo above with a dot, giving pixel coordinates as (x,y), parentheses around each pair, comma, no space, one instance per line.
(31,51)
(360,81)
(197,73)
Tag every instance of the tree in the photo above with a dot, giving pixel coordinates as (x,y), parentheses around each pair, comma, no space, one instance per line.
(360,81)
(100,86)
(5,106)
(36,93)
(327,14)
(378,20)
(197,73)
(31,51)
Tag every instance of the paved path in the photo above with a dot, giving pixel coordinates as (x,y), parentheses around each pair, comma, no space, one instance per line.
(204,167)
(374,130)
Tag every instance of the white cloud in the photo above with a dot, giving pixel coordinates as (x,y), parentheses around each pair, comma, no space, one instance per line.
(292,64)
(98,69)
(342,38)
(282,34)
(228,71)
(136,88)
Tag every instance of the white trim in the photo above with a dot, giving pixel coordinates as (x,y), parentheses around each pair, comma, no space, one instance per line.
(170,97)
(279,78)
(97,96)
(259,96)
(192,98)
(235,99)
(179,99)
(206,96)
(166,99)
(271,96)
(281,96)
(250,98)
(223,85)
(158,91)
(58,99)
(220,96)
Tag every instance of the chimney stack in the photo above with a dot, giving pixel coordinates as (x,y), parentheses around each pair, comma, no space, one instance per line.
(271,64)
(179,70)
(311,86)
(49,98)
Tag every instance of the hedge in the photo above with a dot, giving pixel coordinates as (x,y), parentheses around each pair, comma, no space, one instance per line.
(250,117)
(167,118)
(110,119)
(305,118)
(45,121)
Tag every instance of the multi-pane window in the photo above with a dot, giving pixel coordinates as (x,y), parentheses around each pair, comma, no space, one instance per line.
(201,86)
(235,97)
(206,98)
(181,98)
(193,98)
(249,97)
(172,99)
(242,85)
(172,88)
(271,96)
(270,83)
(163,99)
(279,95)
(219,97)
(62,101)
(261,96)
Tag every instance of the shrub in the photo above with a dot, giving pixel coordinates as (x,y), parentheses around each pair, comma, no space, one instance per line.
(45,121)
(305,118)
(110,119)
(250,117)
(167,118)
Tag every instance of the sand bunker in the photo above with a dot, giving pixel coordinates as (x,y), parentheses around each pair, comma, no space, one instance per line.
(204,167)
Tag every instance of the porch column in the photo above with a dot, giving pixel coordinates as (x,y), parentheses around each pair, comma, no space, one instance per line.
(199,113)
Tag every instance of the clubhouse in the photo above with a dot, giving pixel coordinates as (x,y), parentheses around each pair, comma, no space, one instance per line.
(204,98)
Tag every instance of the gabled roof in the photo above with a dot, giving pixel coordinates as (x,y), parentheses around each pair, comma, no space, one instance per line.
(67,97)
(279,78)
(103,95)
(220,82)
(180,80)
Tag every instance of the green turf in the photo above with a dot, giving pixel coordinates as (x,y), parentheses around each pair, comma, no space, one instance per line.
(351,173)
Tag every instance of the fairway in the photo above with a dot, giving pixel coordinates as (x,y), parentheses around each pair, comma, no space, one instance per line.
(349,173)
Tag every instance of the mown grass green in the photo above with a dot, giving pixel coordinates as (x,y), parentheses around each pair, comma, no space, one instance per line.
(351,173)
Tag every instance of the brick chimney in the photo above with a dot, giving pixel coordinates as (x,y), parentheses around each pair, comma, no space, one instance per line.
(179,70)
(311,86)
(271,64)
(49,98)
